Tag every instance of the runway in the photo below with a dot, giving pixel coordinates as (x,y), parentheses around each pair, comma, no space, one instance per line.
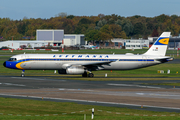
(130,94)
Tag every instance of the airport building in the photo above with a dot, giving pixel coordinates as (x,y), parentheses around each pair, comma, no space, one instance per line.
(74,39)
(23,44)
(46,38)
(137,44)
(174,43)
(53,39)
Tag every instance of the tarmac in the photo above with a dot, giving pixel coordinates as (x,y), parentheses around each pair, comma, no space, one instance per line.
(128,94)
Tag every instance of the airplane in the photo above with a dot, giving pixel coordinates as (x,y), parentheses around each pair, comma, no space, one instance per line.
(86,63)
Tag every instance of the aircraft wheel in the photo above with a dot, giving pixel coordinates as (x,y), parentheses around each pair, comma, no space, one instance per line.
(91,75)
(84,74)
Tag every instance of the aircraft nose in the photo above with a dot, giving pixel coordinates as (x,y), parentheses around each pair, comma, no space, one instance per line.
(4,64)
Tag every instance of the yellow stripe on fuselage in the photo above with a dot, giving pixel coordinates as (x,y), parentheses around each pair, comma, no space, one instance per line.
(19,65)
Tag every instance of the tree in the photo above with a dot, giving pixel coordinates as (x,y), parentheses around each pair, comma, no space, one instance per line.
(84,21)
(123,35)
(138,28)
(111,21)
(21,28)
(126,25)
(62,14)
(162,18)
(101,23)
(101,15)
(155,33)
(70,16)
(105,29)
(81,29)
(68,26)
(150,26)
(91,35)
(115,31)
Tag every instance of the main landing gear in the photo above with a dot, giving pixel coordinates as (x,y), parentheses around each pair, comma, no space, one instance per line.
(22,74)
(87,75)
(90,75)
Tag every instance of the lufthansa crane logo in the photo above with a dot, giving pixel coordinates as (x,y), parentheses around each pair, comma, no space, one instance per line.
(164,41)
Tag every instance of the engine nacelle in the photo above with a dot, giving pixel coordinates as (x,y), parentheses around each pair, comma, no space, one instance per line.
(75,70)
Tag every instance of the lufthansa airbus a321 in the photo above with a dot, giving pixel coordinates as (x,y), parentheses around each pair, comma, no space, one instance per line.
(86,63)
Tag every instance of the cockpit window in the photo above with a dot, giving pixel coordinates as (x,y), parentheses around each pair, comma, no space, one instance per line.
(12,59)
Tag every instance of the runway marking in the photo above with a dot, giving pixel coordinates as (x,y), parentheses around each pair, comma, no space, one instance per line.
(12,84)
(155,94)
(36,78)
(75,89)
(76,100)
(129,85)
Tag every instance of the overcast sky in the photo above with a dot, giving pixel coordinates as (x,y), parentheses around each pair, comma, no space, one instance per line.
(18,9)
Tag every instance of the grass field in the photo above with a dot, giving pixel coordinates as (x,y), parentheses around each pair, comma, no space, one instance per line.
(40,109)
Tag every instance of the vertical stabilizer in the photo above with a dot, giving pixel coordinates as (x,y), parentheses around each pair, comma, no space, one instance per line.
(160,46)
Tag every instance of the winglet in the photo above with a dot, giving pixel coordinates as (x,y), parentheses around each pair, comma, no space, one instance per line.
(160,46)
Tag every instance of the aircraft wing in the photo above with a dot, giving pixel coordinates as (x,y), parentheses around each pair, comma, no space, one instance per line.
(96,65)
(91,65)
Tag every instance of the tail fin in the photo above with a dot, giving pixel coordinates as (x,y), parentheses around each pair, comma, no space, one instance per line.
(160,46)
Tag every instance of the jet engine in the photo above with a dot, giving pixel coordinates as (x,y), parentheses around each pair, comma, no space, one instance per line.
(74,70)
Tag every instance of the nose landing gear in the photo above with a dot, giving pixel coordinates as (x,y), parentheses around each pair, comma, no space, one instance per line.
(22,74)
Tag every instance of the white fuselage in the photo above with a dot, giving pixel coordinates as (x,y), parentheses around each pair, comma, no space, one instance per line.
(61,61)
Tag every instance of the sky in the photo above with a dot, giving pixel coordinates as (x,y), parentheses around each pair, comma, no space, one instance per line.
(45,9)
